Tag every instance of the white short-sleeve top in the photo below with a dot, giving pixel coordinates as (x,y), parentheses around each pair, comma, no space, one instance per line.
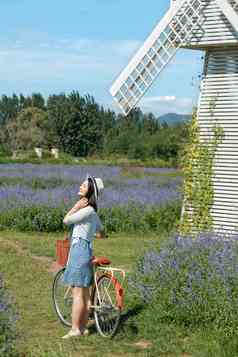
(86,223)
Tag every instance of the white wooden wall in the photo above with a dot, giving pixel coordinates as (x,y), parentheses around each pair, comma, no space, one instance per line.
(215,28)
(220,86)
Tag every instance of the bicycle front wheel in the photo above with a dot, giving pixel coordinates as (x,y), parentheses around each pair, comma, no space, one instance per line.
(62,299)
(106,312)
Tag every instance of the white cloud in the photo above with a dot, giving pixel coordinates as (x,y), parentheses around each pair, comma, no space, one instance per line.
(166,104)
(123,48)
(64,59)
(126,48)
(160,105)
(86,64)
(156,99)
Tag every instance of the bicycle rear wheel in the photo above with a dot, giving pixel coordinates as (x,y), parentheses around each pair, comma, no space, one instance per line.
(106,312)
(62,299)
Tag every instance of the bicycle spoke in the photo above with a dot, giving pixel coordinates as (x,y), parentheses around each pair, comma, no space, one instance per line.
(62,298)
(107,316)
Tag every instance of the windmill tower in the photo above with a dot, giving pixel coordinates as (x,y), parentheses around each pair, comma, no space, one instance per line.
(212,26)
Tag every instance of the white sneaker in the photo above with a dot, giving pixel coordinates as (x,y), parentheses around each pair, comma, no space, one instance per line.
(72,333)
(85,332)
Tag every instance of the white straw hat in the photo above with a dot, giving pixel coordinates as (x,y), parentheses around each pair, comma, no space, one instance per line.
(97,185)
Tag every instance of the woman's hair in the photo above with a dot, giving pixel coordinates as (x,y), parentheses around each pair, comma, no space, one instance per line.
(90,195)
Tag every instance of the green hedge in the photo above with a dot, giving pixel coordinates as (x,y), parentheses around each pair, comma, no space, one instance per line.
(117,219)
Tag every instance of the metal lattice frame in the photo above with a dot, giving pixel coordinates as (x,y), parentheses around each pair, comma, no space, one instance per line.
(169,35)
(234,4)
(230,10)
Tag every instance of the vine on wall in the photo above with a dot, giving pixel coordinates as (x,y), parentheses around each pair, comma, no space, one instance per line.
(198,189)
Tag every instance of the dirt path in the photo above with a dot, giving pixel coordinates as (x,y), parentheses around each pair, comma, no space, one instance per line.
(48,263)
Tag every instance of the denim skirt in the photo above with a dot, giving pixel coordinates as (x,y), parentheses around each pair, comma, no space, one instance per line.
(79,270)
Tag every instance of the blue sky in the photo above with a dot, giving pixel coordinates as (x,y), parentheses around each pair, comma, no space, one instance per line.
(60,46)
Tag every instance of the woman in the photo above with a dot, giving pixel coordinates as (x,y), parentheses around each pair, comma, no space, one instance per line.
(79,272)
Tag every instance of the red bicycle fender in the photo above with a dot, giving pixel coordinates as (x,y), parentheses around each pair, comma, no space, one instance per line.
(119,292)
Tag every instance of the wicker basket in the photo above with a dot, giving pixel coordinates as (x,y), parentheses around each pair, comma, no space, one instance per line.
(62,251)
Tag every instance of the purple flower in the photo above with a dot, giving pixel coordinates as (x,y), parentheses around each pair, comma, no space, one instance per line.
(191,277)
(61,184)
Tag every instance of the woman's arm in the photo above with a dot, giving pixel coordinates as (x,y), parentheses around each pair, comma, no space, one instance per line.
(73,216)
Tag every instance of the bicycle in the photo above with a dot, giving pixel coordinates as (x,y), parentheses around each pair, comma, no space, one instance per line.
(106,297)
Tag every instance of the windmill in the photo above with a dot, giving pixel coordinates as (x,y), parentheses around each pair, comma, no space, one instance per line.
(212,26)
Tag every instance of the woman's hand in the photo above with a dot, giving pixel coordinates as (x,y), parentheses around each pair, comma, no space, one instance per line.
(83,202)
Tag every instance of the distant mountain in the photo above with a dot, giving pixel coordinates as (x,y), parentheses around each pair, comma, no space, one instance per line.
(173,118)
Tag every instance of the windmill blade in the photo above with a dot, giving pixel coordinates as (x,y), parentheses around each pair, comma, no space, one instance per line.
(172,31)
(230,10)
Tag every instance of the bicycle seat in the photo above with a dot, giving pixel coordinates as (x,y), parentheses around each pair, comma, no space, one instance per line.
(100,261)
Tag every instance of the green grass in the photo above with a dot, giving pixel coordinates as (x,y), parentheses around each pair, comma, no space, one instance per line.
(29,283)
(122,249)
(109,161)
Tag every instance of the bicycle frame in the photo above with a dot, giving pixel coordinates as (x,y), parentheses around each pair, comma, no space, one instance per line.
(110,272)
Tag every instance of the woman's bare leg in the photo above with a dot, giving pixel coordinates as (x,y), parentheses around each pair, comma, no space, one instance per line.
(84,317)
(77,308)
(80,308)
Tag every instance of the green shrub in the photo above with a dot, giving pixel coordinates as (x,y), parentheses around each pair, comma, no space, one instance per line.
(32,219)
(91,160)
(130,218)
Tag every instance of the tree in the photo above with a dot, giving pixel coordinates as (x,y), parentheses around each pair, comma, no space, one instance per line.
(27,130)
(77,123)
(9,108)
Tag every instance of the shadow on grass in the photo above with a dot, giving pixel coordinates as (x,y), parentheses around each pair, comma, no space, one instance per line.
(126,326)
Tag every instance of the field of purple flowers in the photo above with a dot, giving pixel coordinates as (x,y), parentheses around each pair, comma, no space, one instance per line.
(27,185)
(191,283)
(8,319)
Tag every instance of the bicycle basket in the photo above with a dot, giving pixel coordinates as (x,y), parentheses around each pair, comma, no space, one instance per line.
(62,251)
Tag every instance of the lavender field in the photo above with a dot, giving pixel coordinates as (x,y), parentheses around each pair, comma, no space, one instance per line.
(26,185)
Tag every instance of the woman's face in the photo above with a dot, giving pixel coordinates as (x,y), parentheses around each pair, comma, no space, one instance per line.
(83,189)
